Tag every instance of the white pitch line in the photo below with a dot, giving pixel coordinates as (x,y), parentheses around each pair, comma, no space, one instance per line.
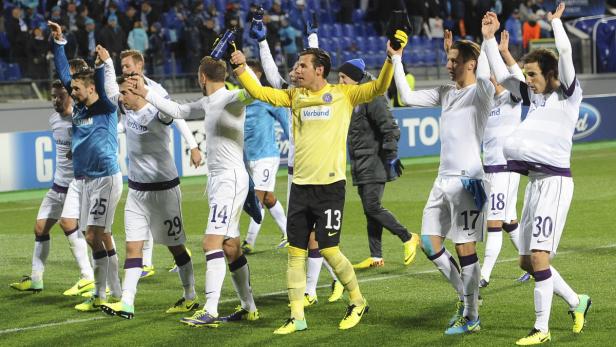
(281,292)
(18,209)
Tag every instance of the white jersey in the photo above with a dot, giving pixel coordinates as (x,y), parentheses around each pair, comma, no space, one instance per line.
(148,136)
(463,117)
(62,128)
(545,137)
(156,87)
(503,120)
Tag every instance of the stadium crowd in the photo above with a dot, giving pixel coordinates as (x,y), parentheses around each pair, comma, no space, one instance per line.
(186,29)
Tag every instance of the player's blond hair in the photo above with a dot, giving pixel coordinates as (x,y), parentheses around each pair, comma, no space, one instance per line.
(133,53)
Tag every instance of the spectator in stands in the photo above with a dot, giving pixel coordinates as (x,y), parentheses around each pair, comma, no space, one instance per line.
(72,15)
(526,10)
(232,20)
(514,27)
(287,35)
(34,19)
(138,38)
(208,36)
(272,22)
(530,31)
(346,11)
(434,27)
(213,13)
(131,16)
(82,16)
(17,32)
(86,41)
(156,50)
(193,45)
(416,10)
(56,16)
(113,38)
(298,15)
(148,15)
(37,55)
(122,20)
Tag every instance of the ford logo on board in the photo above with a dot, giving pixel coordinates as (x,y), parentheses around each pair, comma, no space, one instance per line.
(588,122)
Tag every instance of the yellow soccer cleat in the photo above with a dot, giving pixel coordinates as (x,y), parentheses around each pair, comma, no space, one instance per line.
(241,314)
(183,305)
(290,326)
(201,318)
(310,300)
(26,284)
(337,290)
(119,309)
(579,314)
(91,304)
(353,315)
(534,337)
(410,249)
(147,271)
(89,293)
(368,263)
(82,286)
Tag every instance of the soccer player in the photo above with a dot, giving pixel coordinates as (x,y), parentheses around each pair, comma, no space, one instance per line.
(227,189)
(315,260)
(51,206)
(133,63)
(504,118)
(153,205)
(95,162)
(541,148)
(373,150)
(263,157)
(455,207)
(320,110)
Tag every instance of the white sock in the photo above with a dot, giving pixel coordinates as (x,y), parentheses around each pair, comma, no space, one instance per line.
(240,274)
(281,219)
(329,268)
(470,280)
(101,265)
(562,289)
(214,278)
(313,269)
(544,290)
(493,247)
(39,256)
(449,268)
(132,274)
(148,248)
(514,234)
(113,274)
(254,228)
(187,276)
(79,248)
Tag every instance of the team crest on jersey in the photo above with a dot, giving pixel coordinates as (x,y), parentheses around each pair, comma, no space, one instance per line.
(327,97)
(316,113)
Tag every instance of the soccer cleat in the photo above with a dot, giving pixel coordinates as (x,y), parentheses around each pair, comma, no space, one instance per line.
(483,283)
(201,319)
(148,271)
(368,263)
(309,300)
(241,314)
(353,315)
(523,278)
(284,242)
(534,337)
(183,305)
(410,249)
(458,314)
(247,248)
(464,325)
(337,290)
(91,304)
(26,284)
(82,286)
(119,309)
(579,314)
(89,293)
(290,326)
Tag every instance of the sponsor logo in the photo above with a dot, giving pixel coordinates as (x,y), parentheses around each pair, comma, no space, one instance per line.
(83,121)
(327,97)
(332,234)
(495,112)
(135,126)
(316,113)
(588,121)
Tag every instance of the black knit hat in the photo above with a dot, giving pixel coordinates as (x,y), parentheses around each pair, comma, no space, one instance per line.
(354,68)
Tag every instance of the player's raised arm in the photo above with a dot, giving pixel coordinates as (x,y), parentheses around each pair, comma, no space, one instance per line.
(485,88)
(164,105)
(111,85)
(276,97)
(421,98)
(59,56)
(99,84)
(512,65)
(566,70)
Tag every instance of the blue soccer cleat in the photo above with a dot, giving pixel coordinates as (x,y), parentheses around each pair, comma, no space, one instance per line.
(464,325)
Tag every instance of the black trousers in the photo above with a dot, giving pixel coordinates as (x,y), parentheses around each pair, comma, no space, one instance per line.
(378,217)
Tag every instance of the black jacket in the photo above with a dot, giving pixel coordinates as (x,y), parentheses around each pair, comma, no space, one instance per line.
(372,141)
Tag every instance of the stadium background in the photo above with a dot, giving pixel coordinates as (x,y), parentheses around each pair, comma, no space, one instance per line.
(348,29)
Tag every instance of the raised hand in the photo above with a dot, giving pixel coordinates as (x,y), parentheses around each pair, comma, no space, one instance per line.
(448,40)
(56,30)
(402,39)
(102,53)
(136,86)
(503,46)
(558,13)
(237,58)
(257,30)
(312,26)
(489,25)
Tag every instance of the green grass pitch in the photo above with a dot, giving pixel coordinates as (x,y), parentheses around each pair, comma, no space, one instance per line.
(409,305)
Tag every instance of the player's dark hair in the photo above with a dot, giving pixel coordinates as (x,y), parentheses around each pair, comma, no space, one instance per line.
(86,76)
(547,61)
(57,84)
(255,65)
(468,50)
(215,70)
(320,57)
(77,65)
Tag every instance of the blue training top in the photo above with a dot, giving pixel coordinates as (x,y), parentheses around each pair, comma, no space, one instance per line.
(259,131)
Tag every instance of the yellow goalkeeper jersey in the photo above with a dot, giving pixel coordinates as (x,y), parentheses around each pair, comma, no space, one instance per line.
(320,122)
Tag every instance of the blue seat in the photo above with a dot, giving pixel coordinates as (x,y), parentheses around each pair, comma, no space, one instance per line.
(325,43)
(346,42)
(334,58)
(358,15)
(325,30)
(360,29)
(348,30)
(373,44)
(346,56)
(362,44)
(335,44)
(13,72)
(338,30)
(369,29)
(430,57)
(220,5)
(604,34)
(586,24)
